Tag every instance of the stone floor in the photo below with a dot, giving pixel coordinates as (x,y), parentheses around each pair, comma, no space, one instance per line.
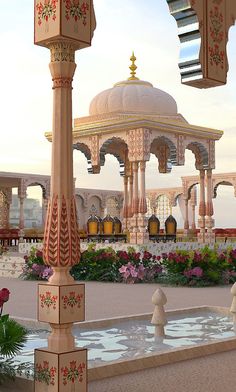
(104,300)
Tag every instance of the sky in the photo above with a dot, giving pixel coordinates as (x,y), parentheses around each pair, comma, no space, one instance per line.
(124,26)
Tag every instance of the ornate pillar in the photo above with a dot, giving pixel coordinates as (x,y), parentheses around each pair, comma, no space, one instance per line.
(5,201)
(130,196)
(202,207)
(22,194)
(142,199)
(193,226)
(210,236)
(193,202)
(186,219)
(142,235)
(125,203)
(135,205)
(62,34)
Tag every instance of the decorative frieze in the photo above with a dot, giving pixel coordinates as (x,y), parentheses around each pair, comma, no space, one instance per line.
(61,304)
(64,372)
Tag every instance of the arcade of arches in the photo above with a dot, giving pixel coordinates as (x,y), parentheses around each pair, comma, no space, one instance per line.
(103,202)
(132,120)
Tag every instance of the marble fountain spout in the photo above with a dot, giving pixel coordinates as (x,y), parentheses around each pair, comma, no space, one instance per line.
(159,317)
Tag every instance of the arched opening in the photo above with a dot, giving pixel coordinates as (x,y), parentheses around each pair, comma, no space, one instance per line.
(176,211)
(116,147)
(85,151)
(201,154)
(163,209)
(165,151)
(224,203)
(94,206)
(34,209)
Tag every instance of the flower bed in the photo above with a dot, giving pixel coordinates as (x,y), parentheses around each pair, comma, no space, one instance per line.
(201,267)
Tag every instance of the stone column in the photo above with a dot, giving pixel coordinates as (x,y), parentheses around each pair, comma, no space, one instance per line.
(186,219)
(21,219)
(135,204)
(61,301)
(125,203)
(142,235)
(61,240)
(193,226)
(210,236)
(130,199)
(142,199)
(202,207)
(4,211)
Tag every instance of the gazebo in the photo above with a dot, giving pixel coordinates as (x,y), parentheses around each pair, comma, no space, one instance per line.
(132,120)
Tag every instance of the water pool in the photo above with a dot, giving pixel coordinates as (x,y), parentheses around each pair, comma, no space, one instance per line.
(132,338)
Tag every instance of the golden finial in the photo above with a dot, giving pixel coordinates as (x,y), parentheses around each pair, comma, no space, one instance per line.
(133,68)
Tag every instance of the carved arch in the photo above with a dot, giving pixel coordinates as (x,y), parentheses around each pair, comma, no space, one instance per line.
(79,196)
(203,27)
(117,147)
(228,183)
(175,199)
(165,151)
(84,148)
(201,154)
(43,186)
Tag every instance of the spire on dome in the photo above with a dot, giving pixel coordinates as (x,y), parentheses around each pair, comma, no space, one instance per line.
(133,68)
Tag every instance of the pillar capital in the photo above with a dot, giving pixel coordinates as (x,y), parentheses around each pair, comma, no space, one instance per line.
(61,20)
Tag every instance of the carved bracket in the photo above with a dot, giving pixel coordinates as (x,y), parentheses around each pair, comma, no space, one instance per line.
(203,27)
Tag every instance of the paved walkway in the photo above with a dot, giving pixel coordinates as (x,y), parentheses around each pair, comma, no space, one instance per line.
(104,300)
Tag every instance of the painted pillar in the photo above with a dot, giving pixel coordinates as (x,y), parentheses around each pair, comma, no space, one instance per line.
(142,234)
(202,207)
(125,203)
(130,196)
(4,211)
(135,205)
(62,33)
(142,199)
(135,201)
(210,236)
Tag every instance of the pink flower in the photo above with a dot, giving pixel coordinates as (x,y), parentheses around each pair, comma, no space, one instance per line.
(197,271)
(141,272)
(128,270)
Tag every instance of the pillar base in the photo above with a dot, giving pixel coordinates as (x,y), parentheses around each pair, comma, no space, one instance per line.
(201,238)
(186,232)
(53,371)
(142,238)
(210,237)
(21,236)
(61,276)
(133,238)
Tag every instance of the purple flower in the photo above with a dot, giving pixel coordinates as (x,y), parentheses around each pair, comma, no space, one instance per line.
(47,273)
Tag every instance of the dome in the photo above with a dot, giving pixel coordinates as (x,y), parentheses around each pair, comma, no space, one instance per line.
(135,96)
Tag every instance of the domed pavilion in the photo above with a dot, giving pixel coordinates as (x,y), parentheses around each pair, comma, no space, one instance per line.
(131,120)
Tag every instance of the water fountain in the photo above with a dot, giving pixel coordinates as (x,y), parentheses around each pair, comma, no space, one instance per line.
(151,351)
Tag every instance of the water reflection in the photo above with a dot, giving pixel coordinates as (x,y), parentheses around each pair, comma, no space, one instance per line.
(135,338)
